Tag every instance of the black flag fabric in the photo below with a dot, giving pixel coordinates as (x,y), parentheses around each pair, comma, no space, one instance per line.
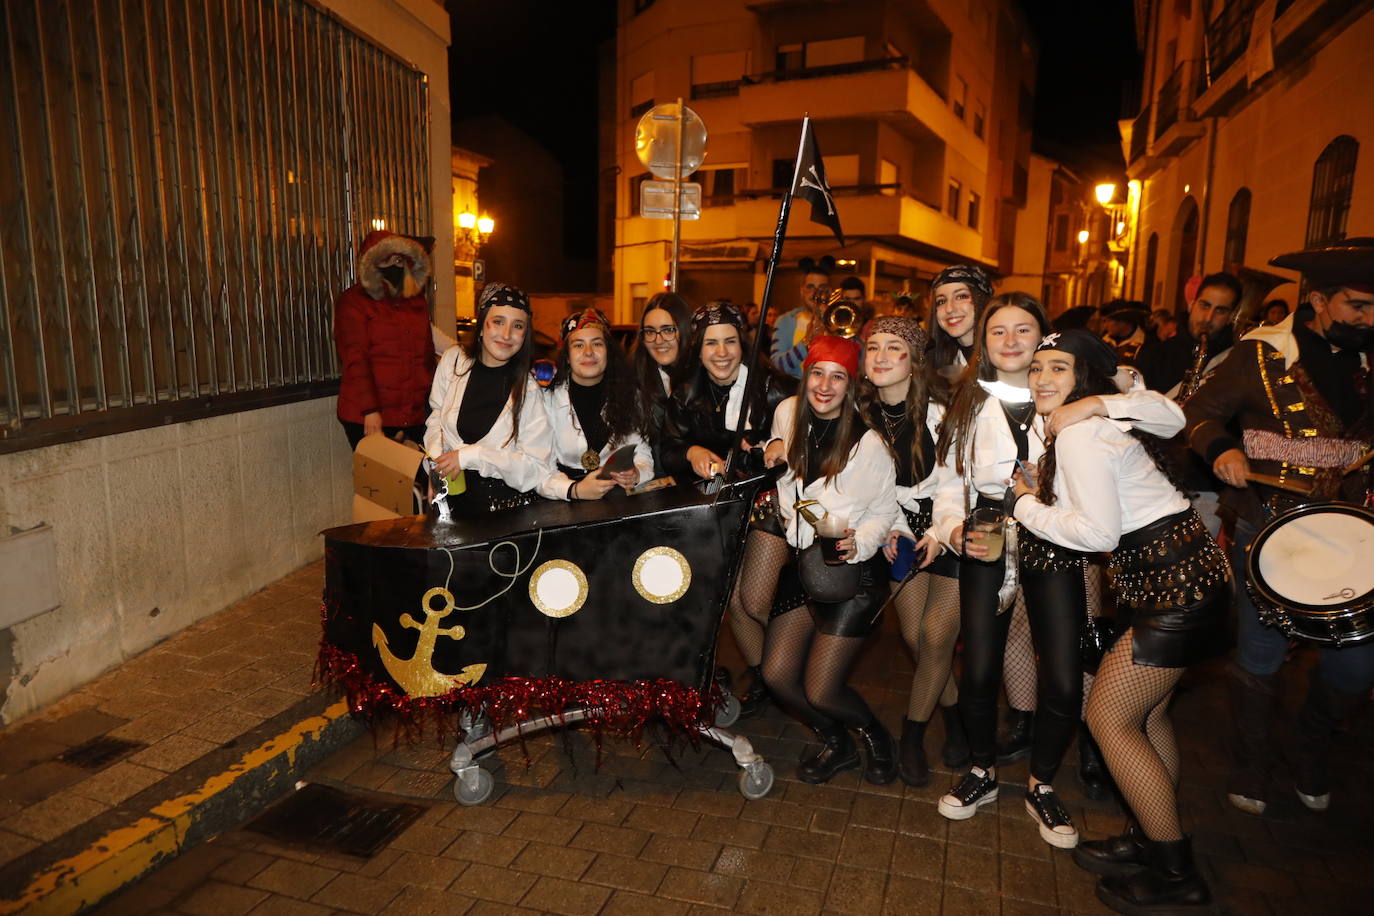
(809,182)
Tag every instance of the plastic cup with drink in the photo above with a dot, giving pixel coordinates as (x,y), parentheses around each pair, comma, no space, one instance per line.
(991,524)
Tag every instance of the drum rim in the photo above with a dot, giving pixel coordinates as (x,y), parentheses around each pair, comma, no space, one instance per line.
(1256,581)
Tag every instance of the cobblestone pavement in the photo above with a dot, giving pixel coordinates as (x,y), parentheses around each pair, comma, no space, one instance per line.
(642,834)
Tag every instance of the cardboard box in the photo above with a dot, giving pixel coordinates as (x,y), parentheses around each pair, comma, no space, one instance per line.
(384,478)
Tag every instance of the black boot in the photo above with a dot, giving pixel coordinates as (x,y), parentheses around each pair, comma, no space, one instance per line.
(1169,884)
(880,753)
(911,758)
(1119,856)
(1252,709)
(1322,712)
(1092,771)
(955,754)
(837,754)
(1015,743)
(754,700)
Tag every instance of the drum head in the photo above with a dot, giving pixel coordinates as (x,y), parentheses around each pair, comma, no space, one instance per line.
(1316,557)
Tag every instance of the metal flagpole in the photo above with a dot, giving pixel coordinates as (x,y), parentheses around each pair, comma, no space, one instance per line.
(756,377)
(677,194)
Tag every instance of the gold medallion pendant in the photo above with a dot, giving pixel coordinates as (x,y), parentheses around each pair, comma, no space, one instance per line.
(590,460)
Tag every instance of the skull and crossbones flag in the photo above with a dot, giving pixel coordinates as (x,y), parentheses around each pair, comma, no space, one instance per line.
(809,182)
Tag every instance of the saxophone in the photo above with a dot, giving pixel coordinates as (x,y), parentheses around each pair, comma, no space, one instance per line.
(1192,380)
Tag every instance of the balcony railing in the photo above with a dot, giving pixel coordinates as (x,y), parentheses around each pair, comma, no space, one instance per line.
(1169,102)
(845,69)
(1227,38)
(843,190)
(718,90)
(1140,133)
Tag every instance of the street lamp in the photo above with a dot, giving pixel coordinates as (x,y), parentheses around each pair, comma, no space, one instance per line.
(1082,236)
(475,230)
(1106,193)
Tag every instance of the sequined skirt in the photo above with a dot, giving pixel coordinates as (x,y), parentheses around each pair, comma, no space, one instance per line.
(1040,556)
(919,521)
(488,494)
(1173,587)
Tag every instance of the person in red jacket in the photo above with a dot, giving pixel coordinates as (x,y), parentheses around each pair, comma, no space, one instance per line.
(382,335)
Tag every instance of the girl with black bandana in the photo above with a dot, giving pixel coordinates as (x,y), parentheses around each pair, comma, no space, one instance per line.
(594,409)
(1104,487)
(895,398)
(487,423)
(700,431)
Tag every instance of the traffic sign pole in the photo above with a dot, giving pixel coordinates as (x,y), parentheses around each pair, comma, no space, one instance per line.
(677,196)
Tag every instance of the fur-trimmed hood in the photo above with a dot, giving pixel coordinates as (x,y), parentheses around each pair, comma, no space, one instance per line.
(380,245)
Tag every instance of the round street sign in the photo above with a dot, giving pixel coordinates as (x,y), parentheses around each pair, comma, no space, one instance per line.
(656,140)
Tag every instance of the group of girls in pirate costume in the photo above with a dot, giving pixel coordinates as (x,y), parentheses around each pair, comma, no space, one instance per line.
(902,434)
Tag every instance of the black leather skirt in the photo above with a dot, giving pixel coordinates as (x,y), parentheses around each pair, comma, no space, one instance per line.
(858,616)
(1173,588)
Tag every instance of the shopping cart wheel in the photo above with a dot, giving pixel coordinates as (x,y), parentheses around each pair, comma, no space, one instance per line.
(756,780)
(473,786)
(727,713)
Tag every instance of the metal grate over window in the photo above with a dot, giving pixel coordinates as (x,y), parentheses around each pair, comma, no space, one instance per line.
(182,190)
(1333,182)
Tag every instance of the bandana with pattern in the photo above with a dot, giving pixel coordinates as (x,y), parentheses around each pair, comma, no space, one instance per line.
(500,294)
(970,275)
(719,312)
(905,328)
(586,318)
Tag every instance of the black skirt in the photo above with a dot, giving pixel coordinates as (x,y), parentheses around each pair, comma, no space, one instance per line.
(1173,588)
(919,521)
(488,494)
(859,616)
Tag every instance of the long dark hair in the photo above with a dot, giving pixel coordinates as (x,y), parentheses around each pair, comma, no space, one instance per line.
(519,366)
(918,396)
(645,368)
(1091,377)
(849,429)
(623,410)
(957,427)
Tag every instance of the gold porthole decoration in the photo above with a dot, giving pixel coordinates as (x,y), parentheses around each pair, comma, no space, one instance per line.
(558,588)
(662,575)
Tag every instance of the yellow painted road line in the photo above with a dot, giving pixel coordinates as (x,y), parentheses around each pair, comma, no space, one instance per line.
(122,856)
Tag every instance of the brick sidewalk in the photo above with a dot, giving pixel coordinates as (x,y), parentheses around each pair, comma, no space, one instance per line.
(644,835)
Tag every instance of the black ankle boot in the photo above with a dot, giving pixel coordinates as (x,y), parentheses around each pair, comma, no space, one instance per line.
(880,754)
(1092,771)
(1015,744)
(1117,856)
(1169,884)
(911,757)
(754,700)
(955,754)
(836,755)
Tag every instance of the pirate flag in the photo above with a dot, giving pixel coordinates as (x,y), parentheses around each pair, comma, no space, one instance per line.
(809,182)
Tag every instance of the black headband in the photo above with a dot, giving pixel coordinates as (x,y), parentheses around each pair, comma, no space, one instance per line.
(970,275)
(501,294)
(719,312)
(1087,348)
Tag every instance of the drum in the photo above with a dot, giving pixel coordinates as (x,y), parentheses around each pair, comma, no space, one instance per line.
(1311,573)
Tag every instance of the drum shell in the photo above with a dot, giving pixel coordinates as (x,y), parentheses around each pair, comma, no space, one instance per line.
(1334,625)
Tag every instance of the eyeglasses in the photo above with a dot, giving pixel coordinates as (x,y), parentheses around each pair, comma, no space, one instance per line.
(667,332)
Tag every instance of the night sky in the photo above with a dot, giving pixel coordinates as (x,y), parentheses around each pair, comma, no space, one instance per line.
(534,62)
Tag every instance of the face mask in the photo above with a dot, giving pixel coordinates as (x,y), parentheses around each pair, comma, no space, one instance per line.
(1349,336)
(393,275)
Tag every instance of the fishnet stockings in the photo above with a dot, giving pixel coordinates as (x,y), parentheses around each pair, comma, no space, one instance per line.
(1128,715)
(928,611)
(1018,661)
(764,557)
(1095,587)
(807,671)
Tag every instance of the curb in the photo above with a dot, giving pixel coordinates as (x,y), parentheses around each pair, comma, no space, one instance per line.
(221,801)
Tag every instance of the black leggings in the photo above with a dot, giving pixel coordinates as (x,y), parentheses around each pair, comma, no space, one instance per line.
(1055,605)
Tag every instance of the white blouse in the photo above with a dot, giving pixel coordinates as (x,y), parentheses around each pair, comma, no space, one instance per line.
(520,464)
(907,497)
(569,442)
(990,455)
(865,492)
(1105,485)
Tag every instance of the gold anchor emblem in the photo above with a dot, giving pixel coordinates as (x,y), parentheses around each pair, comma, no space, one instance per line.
(416,674)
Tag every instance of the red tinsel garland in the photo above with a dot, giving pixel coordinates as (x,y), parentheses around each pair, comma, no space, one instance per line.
(620,708)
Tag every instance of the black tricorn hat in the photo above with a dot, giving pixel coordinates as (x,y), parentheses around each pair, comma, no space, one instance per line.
(1347,262)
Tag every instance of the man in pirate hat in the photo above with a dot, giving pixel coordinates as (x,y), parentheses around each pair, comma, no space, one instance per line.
(1302,396)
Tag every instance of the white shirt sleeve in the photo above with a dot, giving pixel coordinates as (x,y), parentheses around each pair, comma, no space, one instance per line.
(1146,410)
(444,379)
(878,475)
(1086,515)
